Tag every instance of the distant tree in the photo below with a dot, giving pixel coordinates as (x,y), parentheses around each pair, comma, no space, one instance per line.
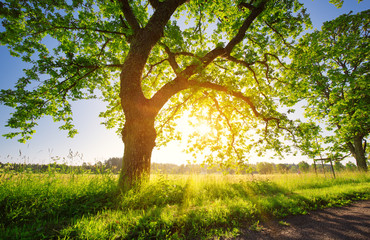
(303,166)
(330,71)
(282,168)
(338,166)
(265,168)
(350,166)
(293,169)
(115,162)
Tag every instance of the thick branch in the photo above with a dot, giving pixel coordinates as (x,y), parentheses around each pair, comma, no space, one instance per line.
(129,15)
(248,21)
(181,81)
(154,3)
(142,44)
(161,15)
(172,60)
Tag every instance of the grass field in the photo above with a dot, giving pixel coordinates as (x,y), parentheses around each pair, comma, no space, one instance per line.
(88,206)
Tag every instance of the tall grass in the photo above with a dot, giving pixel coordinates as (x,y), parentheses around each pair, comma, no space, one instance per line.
(89,206)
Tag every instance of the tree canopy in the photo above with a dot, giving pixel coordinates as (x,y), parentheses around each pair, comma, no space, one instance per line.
(330,71)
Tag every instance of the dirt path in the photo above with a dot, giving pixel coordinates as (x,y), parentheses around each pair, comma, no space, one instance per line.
(351,222)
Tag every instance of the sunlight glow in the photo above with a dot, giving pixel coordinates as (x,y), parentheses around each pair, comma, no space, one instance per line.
(188,125)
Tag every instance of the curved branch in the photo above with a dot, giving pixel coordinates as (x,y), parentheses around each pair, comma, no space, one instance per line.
(245,64)
(172,59)
(224,89)
(242,30)
(277,58)
(75,82)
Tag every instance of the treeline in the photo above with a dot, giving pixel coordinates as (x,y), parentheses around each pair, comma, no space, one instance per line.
(261,168)
(114,165)
(302,167)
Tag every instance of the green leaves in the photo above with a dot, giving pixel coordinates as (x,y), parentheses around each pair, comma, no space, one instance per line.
(73,51)
(339,3)
(328,71)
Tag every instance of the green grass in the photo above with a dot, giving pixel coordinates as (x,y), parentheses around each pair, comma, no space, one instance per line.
(87,206)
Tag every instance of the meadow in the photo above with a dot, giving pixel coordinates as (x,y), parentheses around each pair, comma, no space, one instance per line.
(55,205)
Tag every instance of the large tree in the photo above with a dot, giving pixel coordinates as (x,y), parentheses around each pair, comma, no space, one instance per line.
(330,71)
(151,60)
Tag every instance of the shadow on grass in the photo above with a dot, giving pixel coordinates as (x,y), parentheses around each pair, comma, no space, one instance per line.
(42,218)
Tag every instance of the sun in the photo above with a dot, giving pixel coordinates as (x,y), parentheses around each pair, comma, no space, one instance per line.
(189,125)
(188,128)
(203,129)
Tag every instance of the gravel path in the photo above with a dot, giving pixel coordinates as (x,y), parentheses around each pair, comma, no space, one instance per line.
(351,222)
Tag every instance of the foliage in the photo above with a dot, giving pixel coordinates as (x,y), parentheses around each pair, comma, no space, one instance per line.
(293,169)
(265,167)
(329,72)
(351,166)
(303,166)
(339,3)
(282,168)
(308,138)
(338,166)
(88,206)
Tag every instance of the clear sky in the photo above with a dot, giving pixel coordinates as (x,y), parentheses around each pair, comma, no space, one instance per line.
(94,142)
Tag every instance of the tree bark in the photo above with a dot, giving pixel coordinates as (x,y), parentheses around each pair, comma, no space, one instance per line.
(358,152)
(139,137)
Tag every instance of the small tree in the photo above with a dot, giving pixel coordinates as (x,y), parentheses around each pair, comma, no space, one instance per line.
(338,166)
(293,169)
(265,168)
(303,166)
(282,168)
(350,166)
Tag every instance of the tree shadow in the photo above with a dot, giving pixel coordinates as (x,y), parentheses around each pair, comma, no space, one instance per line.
(36,218)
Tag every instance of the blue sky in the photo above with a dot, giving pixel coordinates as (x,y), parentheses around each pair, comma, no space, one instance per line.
(94,142)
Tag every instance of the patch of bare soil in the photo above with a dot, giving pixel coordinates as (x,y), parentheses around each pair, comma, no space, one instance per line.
(350,222)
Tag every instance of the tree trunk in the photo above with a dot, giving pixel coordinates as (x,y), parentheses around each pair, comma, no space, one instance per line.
(138,134)
(314,164)
(332,167)
(139,137)
(323,167)
(358,152)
